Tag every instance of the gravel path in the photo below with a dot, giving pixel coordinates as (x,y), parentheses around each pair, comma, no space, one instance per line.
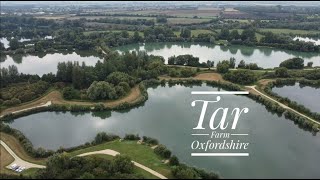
(283,105)
(19,161)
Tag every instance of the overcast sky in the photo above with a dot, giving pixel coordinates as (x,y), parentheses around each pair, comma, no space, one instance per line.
(301,3)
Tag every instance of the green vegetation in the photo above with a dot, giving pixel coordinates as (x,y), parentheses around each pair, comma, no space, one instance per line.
(162,151)
(293,63)
(22,92)
(61,166)
(289,31)
(243,77)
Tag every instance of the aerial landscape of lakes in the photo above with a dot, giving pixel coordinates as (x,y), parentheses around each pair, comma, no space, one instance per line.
(276,147)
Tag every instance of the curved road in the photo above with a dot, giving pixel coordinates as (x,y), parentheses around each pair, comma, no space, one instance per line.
(282,105)
(19,161)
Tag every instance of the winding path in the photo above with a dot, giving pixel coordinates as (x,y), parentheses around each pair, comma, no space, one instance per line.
(282,105)
(27,165)
(34,107)
(114,153)
(18,160)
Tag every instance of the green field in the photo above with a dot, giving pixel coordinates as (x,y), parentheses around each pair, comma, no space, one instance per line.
(130,32)
(186,20)
(196,32)
(140,153)
(287,31)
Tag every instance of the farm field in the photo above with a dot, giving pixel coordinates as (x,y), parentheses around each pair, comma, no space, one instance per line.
(288,31)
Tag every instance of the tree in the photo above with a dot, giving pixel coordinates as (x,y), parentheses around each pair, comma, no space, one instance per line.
(185,33)
(184,172)
(234,35)
(210,63)
(242,64)
(249,34)
(161,19)
(162,151)
(172,60)
(136,37)
(122,164)
(117,77)
(70,93)
(14,44)
(243,77)
(2,48)
(174,161)
(282,72)
(309,64)
(223,67)
(78,77)
(101,91)
(232,63)
(224,34)
(293,63)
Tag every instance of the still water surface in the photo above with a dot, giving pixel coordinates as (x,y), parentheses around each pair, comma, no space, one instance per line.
(278,148)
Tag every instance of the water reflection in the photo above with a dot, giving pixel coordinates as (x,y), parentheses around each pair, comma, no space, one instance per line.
(42,63)
(169,117)
(265,57)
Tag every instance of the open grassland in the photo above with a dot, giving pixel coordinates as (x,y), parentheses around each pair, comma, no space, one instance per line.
(142,154)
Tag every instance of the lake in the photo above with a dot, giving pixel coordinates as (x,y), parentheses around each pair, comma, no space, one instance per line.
(265,57)
(278,148)
(305,95)
(43,63)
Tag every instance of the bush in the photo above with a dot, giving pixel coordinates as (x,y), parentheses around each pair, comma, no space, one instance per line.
(12,102)
(102,137)
(174,161)
(149,140)
(242,77)
(162,151)
(184,172)
(187,72)
(116,78)
(131,137)
(282,72)
(223,67)
(122,164)
(70,93)
(293,63)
